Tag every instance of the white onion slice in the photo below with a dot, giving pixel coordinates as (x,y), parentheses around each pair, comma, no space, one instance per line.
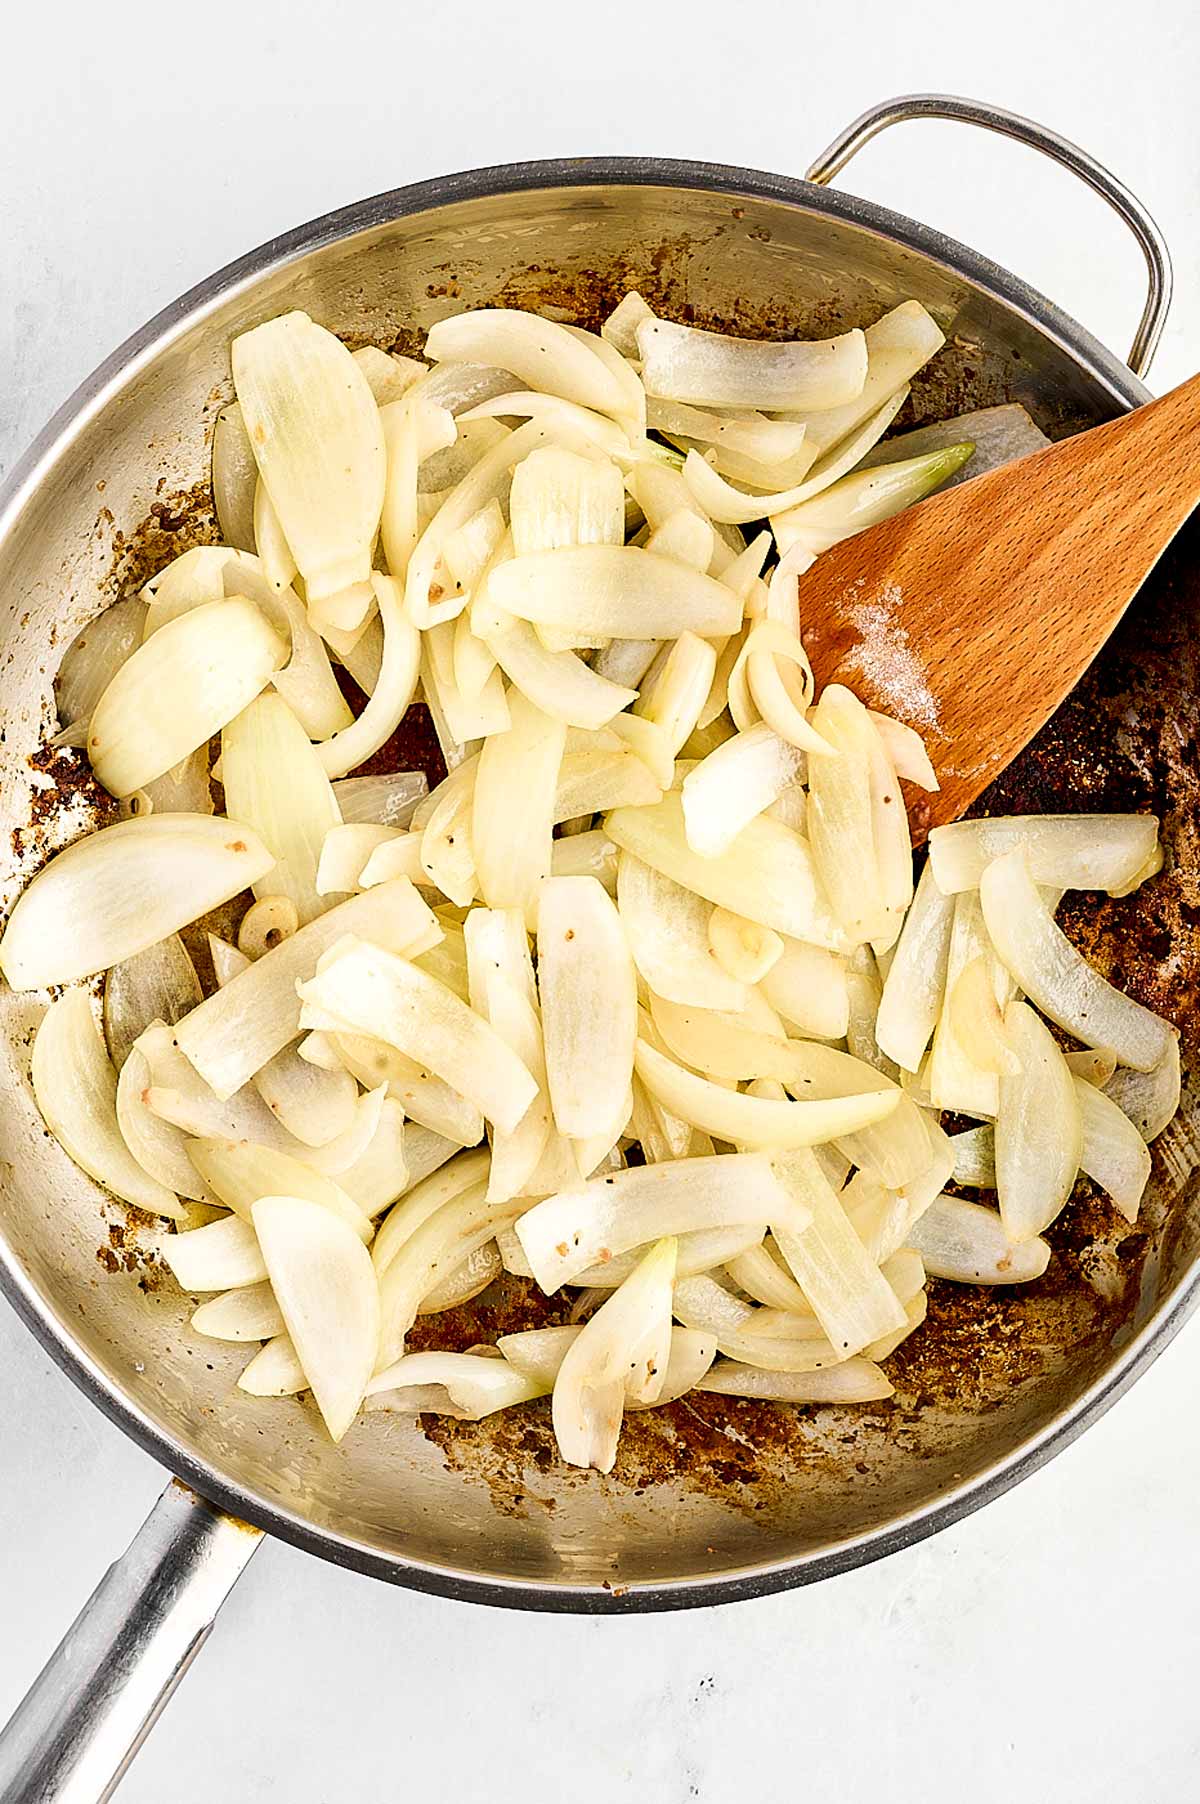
(764,1278)
(388,375)
(595,1222)
(428,1099)
(188,581)
(841,817)
(325,1286)
(346,851)
(999,434)
(592,781)
(895,1151)
(279,567)
(240,1315)
(75,1088)
(159,984)
(306,682)
(672,703)
(275,1371)
(234,477)
(624,1350)
(234,1032)
(1038,1130)
(617,591)
(897,346)
(435,1249)
(178,689)
(472,1276)
(468,1386)
(374,992)
(1149,1098)
(556,681)
(849,1296)
(223,1255)
(274,780)
(976,1019)
(160,1149)
(1113,1155)
(906,750)
(854,1381)
(513,807)
(737,781)
(1056,977)
(975,1157)
(446,1182)
(538,1354)
(864,498)
(682,363)
(317,1107)
(685,537)
(384,801)
(915,983)
(561,498)
(240,1171)
(966,1243)
(120,890)
(316,435)
(667,930)
(957,1080)
(504,993)
(744,949)
(465,718)
(543,354)
(767,874)
(90,662)
(1068,851)
(392,691)
(397,1155)
(807,985)
(588,991)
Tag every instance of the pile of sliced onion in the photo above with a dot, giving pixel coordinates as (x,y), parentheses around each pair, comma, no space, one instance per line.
(639,1002)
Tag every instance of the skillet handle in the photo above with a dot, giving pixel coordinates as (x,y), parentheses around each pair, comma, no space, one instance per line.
(1060,150)
(72,1738)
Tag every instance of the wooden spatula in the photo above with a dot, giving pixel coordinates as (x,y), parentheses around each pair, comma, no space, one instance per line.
(973,615)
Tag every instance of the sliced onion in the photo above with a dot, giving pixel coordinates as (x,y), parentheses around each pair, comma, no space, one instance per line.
(448,1181)
(240,1171)
(513,808)
(1114,1155)
(234,478)
(967,1243)
(975,1157)
(75,1088)
(1149,1098)
(624,1350)
(744,949)
(543,354)
(807,986)
(388,375)
(91,661)
(957,1080)
(239,1315)
(850,1297)
(279,567)
(538,1354)
(265,924)
(385,801)
(594,780)
(896,1151)
(586,855)
(436,1248)
(618,591)
(346,851)
(734,784)
(160,1149)
(685,537)
(595,1222)
(465,717)
(999,434)
(906,749)
(428,1099)
(274,779)
(865,498)
(898,345)
(275,1371)
(588,992)
(224,1255)
(503,992)
(1069,851)
(317,439)
(188,581)
(672,702)
(764,1278)
(667,930)
(841,818)
(316,1106)
(234,1032)
(468,1386)
(854,1381)
(976,1019)
(556,681)
(158,984)
(116,892)
(476,1272)
(560,498)
(374,992)
(396,1156)
(915,983)
(392,691)
(682,363)
(178,689)
(1038,1130)
(325,1286)
(1056,977)
(767,874)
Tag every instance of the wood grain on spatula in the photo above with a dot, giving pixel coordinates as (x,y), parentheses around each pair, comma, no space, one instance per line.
(973,615)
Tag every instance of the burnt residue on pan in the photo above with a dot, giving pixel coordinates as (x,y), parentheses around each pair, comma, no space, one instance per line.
(1126,738)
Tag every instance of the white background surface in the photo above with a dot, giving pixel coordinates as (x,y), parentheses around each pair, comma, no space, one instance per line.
(1047,1648)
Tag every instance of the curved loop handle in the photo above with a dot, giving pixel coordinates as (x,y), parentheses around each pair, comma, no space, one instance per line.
(1038,137)
(71,1739)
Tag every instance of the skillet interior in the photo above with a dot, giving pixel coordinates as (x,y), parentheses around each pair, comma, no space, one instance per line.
(709,1489)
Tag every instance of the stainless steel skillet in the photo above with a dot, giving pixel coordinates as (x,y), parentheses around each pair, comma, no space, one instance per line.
(713,1502)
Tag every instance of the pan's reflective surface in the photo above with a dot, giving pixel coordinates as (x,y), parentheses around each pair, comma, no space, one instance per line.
(710,1494)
